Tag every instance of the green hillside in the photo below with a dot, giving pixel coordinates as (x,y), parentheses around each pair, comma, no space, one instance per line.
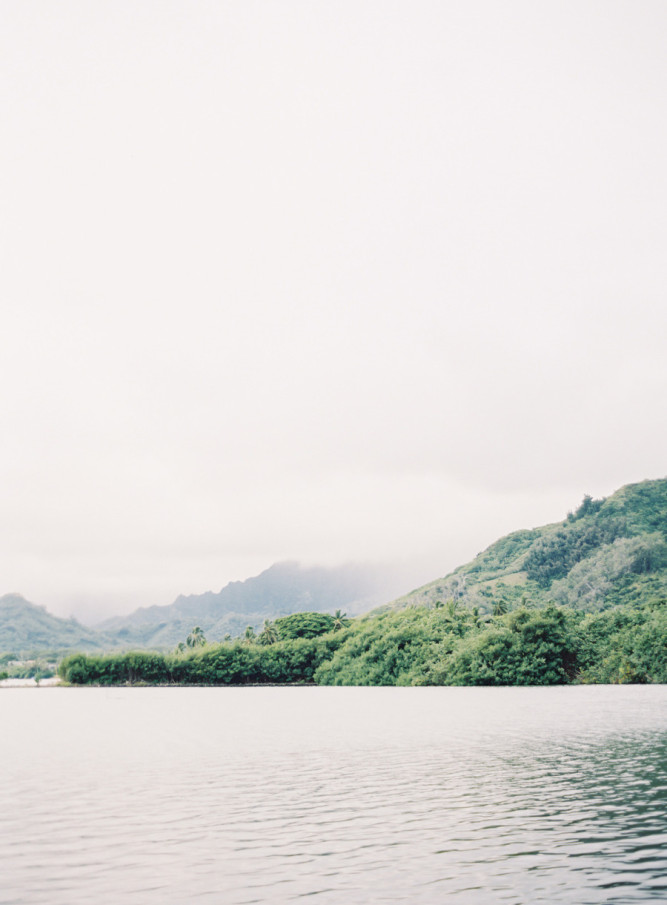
(607,552)
(26,628)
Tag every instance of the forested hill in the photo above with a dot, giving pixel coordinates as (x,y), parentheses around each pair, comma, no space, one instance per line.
(26,627)
(607,552)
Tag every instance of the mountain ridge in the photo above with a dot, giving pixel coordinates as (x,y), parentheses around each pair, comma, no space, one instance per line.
(280,590)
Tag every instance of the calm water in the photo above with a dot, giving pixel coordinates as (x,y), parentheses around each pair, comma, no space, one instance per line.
(351,795)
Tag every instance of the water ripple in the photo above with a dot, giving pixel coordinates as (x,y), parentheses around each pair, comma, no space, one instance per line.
(334,795)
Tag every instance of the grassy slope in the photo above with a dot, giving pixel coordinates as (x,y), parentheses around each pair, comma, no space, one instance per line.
(619,549)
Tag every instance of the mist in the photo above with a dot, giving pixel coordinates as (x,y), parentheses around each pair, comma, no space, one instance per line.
(371,282)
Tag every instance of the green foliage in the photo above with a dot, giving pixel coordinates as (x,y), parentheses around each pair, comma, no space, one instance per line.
(556,553)
(372,658)
(643,506)
(304,625)
(547,646)
(589,506)
(397,648)
(504,553)
(525,647)
(134,667)
(625,645)
(592,580)
(249,635)
(340,621)
(269,633)
(448,645)
(196,638)
(236,663)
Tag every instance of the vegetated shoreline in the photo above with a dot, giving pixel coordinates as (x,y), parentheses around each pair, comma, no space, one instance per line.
(443,645)
(580,601)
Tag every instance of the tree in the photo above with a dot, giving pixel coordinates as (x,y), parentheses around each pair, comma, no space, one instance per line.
(452,617)
(304,625)
(196,638)
(249,635)
(340,621)
(269,633)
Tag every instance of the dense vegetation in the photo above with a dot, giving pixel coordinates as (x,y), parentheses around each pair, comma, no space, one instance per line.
(446,645)
(235,663)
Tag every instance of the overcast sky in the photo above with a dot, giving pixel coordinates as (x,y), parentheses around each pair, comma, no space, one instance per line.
(320,281)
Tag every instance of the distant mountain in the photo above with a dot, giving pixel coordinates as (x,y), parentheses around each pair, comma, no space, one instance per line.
(26,628)
(608,552)
(282,589)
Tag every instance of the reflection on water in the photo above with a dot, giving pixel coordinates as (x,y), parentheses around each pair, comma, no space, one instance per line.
(429,795)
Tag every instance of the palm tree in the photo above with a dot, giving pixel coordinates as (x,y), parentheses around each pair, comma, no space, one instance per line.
(340,621)
(452,616)
(249,635)
(452,608)
(269,634)
(196,638)
(500,607)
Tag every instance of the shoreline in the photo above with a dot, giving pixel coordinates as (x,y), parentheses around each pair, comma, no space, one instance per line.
(51,682)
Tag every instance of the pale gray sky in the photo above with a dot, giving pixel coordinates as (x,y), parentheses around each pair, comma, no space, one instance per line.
(320,281)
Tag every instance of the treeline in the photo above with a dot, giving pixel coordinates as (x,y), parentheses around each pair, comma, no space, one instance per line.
(444,645)
(228,663)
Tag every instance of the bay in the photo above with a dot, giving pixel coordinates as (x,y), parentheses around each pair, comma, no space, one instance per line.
(337,795)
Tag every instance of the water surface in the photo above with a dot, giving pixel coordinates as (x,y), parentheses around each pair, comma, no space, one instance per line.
(340,795)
